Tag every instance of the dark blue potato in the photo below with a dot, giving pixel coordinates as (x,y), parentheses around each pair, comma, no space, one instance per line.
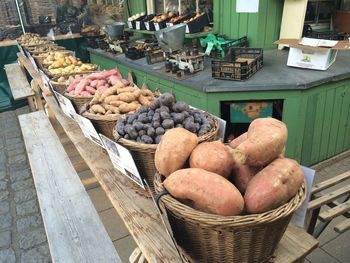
(158,138)
(142,132)
(147,126)
(164,115)
(155,124)
(126,136)
(179,126)
(142,109)
(154,104)
(127,128)
(120,128)
(197,125)
(138,139)
(156,117)
(168,124)
(202,132)
(190,126)
(146,139)
(138,125)
(180,106)
(150,113)
(131,118)
(133,134)
(178,117)
(164,108)
(143,118)
(157,110)
(167,99)
(197,118)
(160,131)
(151,131)
(186,114)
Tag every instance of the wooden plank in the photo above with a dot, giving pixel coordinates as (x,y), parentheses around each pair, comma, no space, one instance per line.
(330,182)
(334,212)
(343,120)
(137,212)
(347,137)
(295,245)
(6,43)
(328,197)
(343,226)
(309,129)
(74,230)
(19,85)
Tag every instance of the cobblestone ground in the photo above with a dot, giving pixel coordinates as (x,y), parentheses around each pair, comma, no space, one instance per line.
(22,233)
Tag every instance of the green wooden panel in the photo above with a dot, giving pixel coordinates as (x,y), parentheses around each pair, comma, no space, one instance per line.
(309,130)
(338,101)
(317,136)
(347,133)
(326,130)
(243,25)
(345,109)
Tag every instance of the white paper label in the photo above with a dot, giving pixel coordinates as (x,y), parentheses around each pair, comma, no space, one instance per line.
(88,129)
(300,214)
(169,24)
(129,24)
(122,160)
(187,29)
(147,25)
(244,6)
(156,26)
(138,25)
(66,105)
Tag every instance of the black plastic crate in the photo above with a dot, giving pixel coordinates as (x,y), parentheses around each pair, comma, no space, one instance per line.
(238,64)
(134,53)
(240,42)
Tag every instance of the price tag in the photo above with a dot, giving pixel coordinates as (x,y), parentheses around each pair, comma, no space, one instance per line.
(147,25)
(129,24)
(66,105)
(187,29)
(299,216)
(169,24)
(88,129)
(138,25)
(122,160)
(20,49)
(156,26)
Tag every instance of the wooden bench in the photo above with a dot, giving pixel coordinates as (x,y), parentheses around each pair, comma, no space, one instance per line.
(74,230)
(19,85)
(329,199)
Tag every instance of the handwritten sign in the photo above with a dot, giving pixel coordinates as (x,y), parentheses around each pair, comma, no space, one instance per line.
(122,160)
(66,105)
(88,129)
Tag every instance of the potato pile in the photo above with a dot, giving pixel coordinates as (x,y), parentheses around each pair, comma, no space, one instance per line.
(249,176)
(45,48)
(160,18)
(100,81)
(54,56)
(66,80)
(73,69)
(27,36)
(31,40)
(65,61)
(149,124)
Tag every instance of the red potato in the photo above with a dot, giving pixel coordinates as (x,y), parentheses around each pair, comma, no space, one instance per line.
(85,93)
(72,92)
(94,83)
(101,82)
(73,85)
(102,88)
(111,72)
(125,82)
(213,157)
(273,186)
(242,174)
(90,90)
(207,192)
(266,138)
(114,80)
(81,85)
(234,143)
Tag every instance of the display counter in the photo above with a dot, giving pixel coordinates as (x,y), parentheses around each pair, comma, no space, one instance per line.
(315,104)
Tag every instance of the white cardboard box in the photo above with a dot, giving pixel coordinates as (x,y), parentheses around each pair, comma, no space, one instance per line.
(313,53)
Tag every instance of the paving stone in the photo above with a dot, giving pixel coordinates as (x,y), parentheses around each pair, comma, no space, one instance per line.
(29,222)
(114,225)
(20,175)
(99,199)
(319,256)
(3,160)
(25,195)
(4,207)
(2,175)
(339,247)
(21,185)
(5,221)
(18,166)
(14,133)
(12,141)
(19,158)
(27,208)
(32,238)
(39,254)
(15,152)
(11,147)
(5,239)
(3,185)
(4,195)
(7,256)
(125,247)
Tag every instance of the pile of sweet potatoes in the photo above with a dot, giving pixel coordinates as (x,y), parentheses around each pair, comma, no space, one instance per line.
(249,176)
(99,81)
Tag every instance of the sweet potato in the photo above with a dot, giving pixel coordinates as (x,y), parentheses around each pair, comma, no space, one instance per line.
(234,143)
(128,107)
(96,98)
(79,88)
(273,186)
(144,101)
(111,108)
(129,96)
(242,174)
(116,103)
(266,138)
(111,91)
(213,157)
(110,98)
(174,149)
(207,192)
(98,109)
(85,93)
(90,90)
(127,89)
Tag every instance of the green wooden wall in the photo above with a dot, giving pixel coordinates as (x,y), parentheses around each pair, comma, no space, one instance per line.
(318,119)
(137,6)
(262,28)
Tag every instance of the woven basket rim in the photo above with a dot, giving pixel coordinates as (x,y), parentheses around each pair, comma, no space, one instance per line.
(109,117)
(36,45)
(47,72)
(218,221)
(44,54)
(77,96)
(138,145)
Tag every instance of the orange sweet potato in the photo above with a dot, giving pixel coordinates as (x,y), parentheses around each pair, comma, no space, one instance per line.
(234,143)
(273,186)
(174,149)
(213,157)
(266,138)
(242,174)
(206,191)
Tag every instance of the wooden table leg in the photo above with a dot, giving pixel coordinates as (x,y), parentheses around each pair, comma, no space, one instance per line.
(31,103)
(38,96)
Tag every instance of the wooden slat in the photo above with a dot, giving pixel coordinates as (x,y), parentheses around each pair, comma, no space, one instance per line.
(18,82)
(334,212)
(138,212)
(330,182)
(328,197)
(343,226)
(74,230)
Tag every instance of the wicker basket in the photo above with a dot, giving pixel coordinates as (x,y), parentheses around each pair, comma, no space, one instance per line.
(61,87)
(213,238)
(103,123)
(50,75)
(78,101)
(143,154)
(35,53)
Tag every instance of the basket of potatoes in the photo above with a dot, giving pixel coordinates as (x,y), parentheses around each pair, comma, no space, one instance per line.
(110,104)
(46,59)
(229,203)
(37,50)
(71,69)
(61,83)
(142,131)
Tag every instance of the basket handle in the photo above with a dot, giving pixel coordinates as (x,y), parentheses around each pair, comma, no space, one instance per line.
(159,195)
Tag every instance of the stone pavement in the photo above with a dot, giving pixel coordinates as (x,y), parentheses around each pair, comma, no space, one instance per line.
(22,234)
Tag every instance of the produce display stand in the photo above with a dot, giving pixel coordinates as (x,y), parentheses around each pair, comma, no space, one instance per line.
(138,212)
